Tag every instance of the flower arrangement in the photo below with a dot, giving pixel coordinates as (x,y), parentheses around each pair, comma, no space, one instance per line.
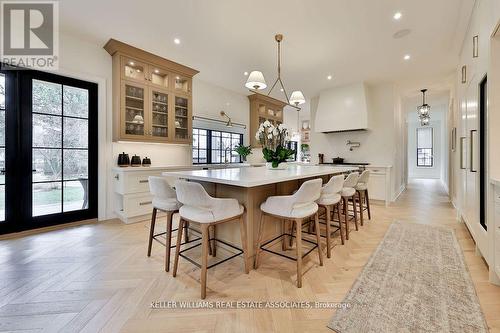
(274,140)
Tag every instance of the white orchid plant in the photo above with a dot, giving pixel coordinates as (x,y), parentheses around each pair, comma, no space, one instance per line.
(274,141)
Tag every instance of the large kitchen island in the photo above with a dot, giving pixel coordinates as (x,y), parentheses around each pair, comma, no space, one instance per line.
(251,186)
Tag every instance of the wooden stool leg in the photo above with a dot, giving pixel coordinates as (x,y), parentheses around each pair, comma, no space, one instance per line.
(186,232)
(178,246)
(168,243)
(284,237)
(360,197)
(341,229)
(355,211)
(299,252)
(243,232)
(345,218)
(328,233)
(259,241)
(318,238)
(367,197)
(151,231)
(214,245)
(204,259)
(291,232)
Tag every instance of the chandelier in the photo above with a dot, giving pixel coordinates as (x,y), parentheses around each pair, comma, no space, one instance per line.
(423,111)
(256,81)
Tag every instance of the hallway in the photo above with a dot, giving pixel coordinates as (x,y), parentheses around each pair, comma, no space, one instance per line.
(96,276)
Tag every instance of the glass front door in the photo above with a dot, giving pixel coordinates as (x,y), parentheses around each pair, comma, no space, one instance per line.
(50,174)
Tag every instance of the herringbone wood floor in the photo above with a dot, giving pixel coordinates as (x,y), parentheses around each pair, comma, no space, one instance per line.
(97,278)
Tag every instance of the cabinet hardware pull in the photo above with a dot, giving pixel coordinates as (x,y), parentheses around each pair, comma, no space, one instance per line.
(117,177)
(472,132)
(462,143)
(145,203)
(143,181)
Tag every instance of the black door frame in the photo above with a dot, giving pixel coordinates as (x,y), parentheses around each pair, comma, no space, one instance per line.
(18,136)
(483,113)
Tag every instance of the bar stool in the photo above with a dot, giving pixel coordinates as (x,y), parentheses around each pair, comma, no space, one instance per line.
(165,200)
(329,200)
(296,208)
(362,190)
(348,193)
(200,208)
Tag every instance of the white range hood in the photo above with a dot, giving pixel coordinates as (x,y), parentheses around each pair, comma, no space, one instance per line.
(342,109)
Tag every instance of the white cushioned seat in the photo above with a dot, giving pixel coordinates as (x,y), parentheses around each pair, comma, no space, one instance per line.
(200,207)
(350,183)
(164,196)
(347,192)
(330,192)
(362,184)
(298,205)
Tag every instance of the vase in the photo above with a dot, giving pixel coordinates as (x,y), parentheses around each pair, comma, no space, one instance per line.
(281,166)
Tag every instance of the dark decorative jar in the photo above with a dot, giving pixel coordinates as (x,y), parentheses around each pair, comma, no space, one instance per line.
(136,161)
(146,161)
(123,160)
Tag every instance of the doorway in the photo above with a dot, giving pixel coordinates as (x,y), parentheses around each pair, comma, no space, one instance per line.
(483,111)
(48,150)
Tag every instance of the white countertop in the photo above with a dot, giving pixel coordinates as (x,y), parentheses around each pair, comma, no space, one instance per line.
(257,176)
(183,167)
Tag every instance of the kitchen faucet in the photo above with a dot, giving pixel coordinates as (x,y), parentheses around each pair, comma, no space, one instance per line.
(226,161)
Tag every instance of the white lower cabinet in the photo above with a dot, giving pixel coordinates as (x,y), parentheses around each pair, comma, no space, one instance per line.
(379,185)
(496,227)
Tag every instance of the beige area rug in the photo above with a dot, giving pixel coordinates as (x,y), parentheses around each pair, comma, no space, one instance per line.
(416,281)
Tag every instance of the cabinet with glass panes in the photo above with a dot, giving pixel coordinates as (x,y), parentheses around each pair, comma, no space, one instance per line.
(262,108)
(151,96)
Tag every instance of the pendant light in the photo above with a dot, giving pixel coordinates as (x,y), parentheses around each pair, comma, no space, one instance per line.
(256,81)
(424,109)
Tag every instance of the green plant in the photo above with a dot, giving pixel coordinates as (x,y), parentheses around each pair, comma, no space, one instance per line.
(243,150)
(274,140)
(304,147)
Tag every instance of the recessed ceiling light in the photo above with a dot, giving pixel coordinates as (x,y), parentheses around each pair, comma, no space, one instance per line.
(281,89)
(131,63)
(407,57)
(245,73)
(329,77)
(397,15)
(177,78)
(138,70)
(157,71)
(177,41)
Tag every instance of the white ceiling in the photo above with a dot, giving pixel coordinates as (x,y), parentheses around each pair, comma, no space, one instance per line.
(349,39)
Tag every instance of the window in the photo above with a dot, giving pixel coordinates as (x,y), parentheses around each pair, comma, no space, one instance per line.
(424,147)
(211,146)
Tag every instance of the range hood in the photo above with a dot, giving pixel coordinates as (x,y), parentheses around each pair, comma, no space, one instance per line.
(342,109)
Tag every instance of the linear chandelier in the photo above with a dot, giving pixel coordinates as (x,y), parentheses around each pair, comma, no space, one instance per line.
(424,110)
(256,81)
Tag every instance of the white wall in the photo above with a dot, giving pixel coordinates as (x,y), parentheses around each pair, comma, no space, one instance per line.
(438,124)
(379,144)
(88,61)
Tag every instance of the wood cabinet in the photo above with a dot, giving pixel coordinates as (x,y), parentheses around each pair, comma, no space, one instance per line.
(262,108)
(152,96)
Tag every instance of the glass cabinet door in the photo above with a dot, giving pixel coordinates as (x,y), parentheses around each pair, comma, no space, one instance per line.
(159,114)
(133,107)
(133,70)
(158,76)
(181,118)
(182,84)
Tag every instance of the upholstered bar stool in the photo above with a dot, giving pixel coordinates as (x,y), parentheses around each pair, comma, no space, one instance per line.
(200,208)
(296,208)
(165,200)
(348,193)
(362,190)
(329,201)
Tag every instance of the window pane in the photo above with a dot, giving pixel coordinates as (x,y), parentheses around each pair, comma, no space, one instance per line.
(2,166)
(75,164)
(216,143)
(46,97)
(46,164)
(76,102)
(203,142)
(46,198)
(2,128)
(203,132)
(216,156)
(76,133)
(75,195)
(195,141)
(195,153)
(46,131)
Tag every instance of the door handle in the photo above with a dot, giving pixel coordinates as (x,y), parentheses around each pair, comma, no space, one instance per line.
(462,144)
(472,167)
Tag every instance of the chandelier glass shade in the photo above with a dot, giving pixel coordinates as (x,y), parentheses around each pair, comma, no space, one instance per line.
(424,110)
